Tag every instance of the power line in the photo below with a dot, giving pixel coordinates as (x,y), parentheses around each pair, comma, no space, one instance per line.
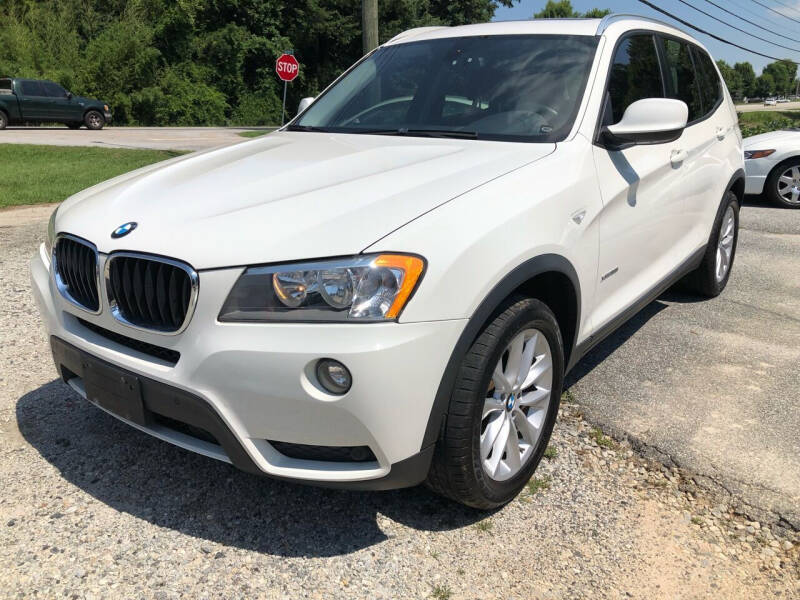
(777,12)
(758,15)
(711,35)
(788,6)
(723,9)
(737,28)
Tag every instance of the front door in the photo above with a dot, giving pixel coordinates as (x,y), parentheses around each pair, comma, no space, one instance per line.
(643,225)
(61,107)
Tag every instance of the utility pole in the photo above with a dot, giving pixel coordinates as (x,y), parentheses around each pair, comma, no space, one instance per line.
(369,24)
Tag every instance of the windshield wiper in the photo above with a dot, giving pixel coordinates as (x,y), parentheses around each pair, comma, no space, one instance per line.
(306,128)
(434,133)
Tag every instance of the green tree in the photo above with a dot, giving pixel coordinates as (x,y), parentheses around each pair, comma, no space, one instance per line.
(765,85)
(562,9)
(748,77)
(732,78)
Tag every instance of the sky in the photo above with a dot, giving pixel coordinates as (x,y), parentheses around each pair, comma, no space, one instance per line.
(777,26)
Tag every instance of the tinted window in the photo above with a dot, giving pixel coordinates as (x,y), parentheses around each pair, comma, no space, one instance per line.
(710,85)
(54,90)
(32,88)
(525,88)
(635,75)
(681,80)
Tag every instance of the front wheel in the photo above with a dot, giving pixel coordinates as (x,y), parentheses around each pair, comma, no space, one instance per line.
(783,184)
(3,120)
(502,409)
(94,120)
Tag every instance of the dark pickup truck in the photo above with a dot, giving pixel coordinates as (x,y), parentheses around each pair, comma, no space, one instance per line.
(33,100)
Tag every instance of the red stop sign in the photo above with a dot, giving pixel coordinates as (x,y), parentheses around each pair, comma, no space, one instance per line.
(287,67)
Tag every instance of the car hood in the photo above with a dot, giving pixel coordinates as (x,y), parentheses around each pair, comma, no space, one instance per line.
(757,142)
(286,196)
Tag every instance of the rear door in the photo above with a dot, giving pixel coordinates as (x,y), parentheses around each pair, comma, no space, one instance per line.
(643,222)
(701,170)
(35,103)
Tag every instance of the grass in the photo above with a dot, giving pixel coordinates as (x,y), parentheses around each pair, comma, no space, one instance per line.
(551,452)
(538,484)
(763,121)
(252,134)
(441,592)
(31,174)
(601,439)
(485,525)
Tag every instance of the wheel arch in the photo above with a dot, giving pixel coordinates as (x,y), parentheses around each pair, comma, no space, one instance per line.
(782,164)
(550,278)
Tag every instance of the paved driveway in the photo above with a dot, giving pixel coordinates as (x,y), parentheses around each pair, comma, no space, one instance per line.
(159,138)
(713,386)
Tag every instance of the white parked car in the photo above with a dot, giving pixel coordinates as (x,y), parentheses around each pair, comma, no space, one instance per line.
(390,289)
(770,102)
(772,166)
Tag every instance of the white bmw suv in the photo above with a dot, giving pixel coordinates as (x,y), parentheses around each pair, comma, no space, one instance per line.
(390,289)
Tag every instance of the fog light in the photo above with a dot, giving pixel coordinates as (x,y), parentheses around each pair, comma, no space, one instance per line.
(334,376)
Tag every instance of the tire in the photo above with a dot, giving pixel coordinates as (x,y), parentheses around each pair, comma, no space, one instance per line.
(74,125)
(3,120)
(94,120)
(459,469)
(706,279)
(779,192)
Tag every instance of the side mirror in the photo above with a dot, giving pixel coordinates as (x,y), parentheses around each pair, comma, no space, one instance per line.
(649,121)
(304,104)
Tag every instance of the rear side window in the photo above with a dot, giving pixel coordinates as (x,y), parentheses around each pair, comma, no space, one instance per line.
(54,90)
(635,75)
(682,83)
(710,85)
(32,88)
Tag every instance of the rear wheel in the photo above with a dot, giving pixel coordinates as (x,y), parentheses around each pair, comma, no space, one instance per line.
(711,277)
(502,409)
(94,120)
(783,184)
(3,120)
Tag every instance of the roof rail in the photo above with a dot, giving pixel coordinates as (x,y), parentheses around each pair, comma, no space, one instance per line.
(609,19)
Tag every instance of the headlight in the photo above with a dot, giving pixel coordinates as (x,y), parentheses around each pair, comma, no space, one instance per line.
(362,288)
(748,154)
(51,233)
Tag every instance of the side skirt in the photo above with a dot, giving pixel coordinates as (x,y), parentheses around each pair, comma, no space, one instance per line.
(689,265)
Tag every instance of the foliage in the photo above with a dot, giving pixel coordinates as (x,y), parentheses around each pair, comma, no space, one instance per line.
(764,121)
(562,9)
(62,171)
(201,62)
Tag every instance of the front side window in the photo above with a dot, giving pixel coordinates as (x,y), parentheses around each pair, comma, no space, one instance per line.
(510,87)
(54,90)
(710,84)
(635,75)
(682,81)
(32,88)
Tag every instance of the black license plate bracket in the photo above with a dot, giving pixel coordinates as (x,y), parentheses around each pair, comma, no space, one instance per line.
(114,390)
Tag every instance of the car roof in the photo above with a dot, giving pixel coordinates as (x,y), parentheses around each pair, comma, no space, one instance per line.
(587,27)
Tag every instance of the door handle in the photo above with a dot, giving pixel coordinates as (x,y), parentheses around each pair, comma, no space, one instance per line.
(677,157)
(721,133)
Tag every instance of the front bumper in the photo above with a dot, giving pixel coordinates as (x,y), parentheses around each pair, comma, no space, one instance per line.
(107,116)
(257,379)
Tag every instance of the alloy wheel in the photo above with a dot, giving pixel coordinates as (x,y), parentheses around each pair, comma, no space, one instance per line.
(516,405)
(789,185)
(727,233)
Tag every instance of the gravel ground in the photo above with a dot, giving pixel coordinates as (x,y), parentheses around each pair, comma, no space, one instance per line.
(93,509)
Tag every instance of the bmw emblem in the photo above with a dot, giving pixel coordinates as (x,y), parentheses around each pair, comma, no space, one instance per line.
(123,229)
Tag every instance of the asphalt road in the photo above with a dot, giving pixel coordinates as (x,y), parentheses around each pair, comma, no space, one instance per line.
(760,106)
(158,138)
(713,385)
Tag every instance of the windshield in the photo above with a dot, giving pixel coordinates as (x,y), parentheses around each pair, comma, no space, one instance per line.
(511,87)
